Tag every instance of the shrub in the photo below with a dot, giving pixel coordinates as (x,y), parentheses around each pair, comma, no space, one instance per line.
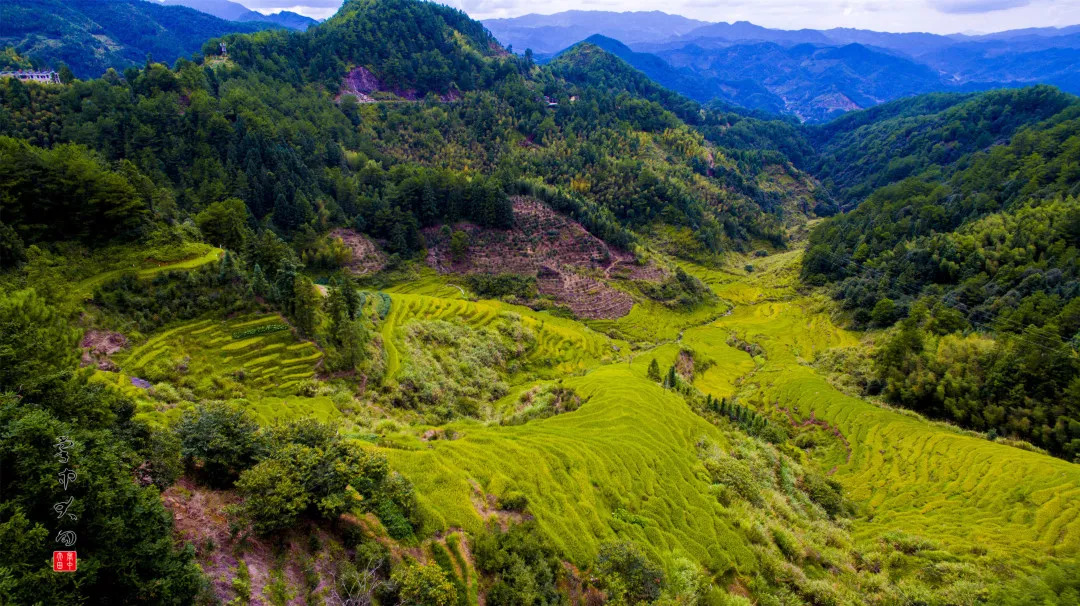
(734,474)
(382,305)
(628,574)
(678,290)
(274,496)
(394,503)
(786,543)
(514,500)
(311,470)
(241,583)
(885,312)
(219,441)
(654,371)
(522,564)
(424,585)
(540,404)
(824,492)
(502,285)
(459,245)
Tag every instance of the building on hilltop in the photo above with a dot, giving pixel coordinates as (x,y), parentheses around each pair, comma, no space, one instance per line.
(49,77)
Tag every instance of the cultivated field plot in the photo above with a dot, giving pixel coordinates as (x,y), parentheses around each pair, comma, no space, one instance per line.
(226,359)
(563,346)
(630,447)
(651,322)
(910,474)
(148,268)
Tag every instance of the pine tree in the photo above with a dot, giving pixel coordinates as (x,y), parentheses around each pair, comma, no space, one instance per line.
(228,269)
(337,311)
(259,286)
(654,371)
(286,215)
(352,300)
(305,304)
(671,381)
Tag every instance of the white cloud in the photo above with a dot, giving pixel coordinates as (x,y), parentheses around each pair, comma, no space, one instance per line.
(316,9)
(977,6)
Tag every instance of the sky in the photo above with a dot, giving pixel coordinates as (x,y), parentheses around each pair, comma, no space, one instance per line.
(936,16)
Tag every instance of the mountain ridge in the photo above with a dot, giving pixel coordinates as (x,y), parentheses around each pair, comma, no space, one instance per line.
(90,37)
(576,338)
(708,59)
(234,11)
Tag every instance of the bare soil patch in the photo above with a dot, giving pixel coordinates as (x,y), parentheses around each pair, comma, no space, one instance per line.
(587,297)
(199,518)
(366,256)
(558,251)
(98,346)
(486,506)
(361,83)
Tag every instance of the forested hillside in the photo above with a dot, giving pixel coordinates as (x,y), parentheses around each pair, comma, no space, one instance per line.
(228,120)
(90,36)
(930,136)
(381,313)
(968,240)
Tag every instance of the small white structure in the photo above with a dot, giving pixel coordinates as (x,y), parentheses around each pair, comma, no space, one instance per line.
(48,77)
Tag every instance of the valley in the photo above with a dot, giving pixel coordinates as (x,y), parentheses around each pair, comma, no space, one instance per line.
(378,311)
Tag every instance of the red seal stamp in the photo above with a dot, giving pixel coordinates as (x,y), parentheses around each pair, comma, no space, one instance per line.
(65,561)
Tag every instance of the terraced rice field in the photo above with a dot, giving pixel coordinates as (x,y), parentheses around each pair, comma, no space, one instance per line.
(563,346)
(272,363)
(85,287)
(631,444)
(649,322)
(430,283)
(908,473)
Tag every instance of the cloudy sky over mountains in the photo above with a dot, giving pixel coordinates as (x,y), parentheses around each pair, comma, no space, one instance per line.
(938,16)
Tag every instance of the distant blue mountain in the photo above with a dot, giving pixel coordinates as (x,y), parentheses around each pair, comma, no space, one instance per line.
(549,34)
(234,11)
(813,74)
(746,93)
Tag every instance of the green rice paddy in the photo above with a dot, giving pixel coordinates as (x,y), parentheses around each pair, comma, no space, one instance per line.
(147,268)
(630,451)
(631,445)
(563,346)
(204,358)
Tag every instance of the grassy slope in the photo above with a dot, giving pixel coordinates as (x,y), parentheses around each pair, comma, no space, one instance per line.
(272,365)
(911,474)
(147,268)
(631,446)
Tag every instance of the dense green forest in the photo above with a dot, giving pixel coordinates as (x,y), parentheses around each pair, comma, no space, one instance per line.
(930,137)
(263,127)
(294,314)
(979,240)
(90,36)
